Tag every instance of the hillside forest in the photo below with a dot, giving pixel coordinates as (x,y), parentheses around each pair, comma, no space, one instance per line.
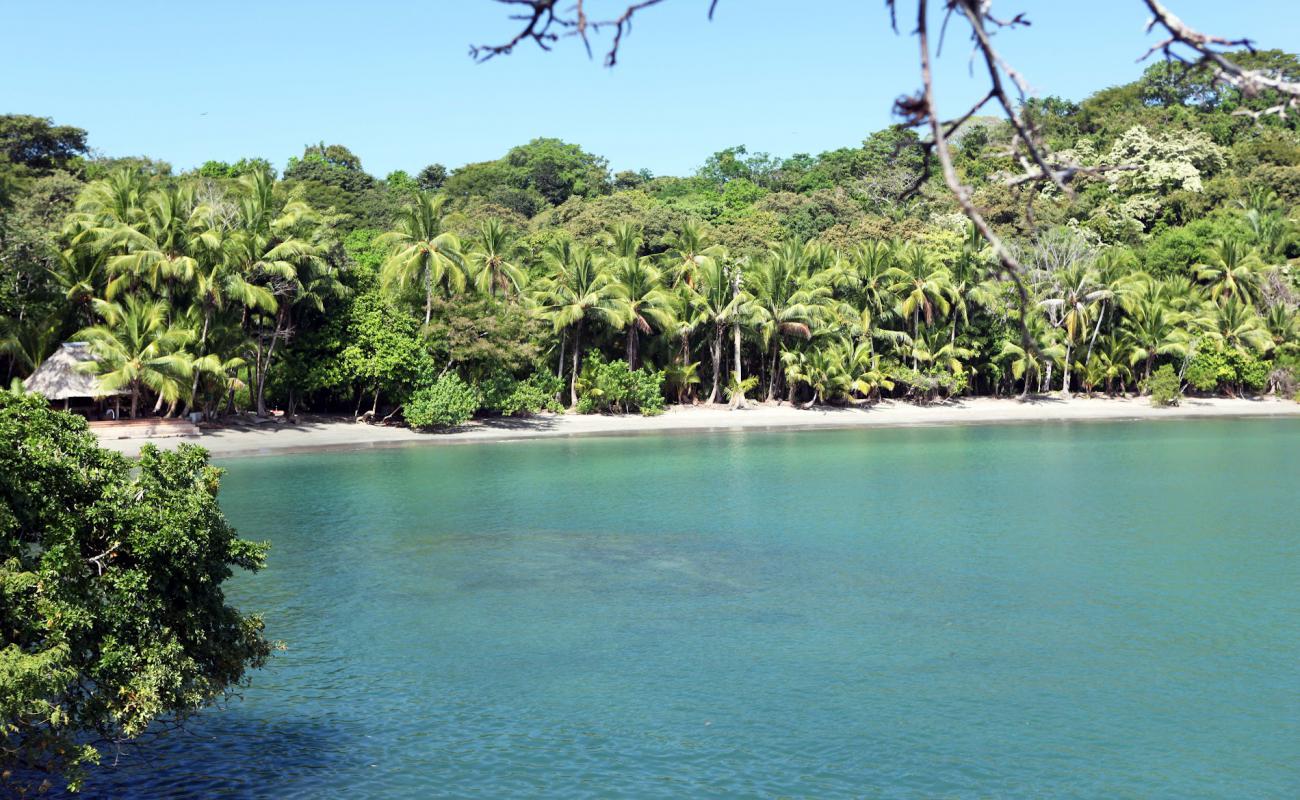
(543,281)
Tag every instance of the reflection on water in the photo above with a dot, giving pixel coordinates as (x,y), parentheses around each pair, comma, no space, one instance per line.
(1060,610)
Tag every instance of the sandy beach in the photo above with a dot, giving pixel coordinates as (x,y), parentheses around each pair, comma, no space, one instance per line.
(249,439)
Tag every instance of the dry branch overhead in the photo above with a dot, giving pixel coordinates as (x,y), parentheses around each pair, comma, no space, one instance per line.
(1208,50)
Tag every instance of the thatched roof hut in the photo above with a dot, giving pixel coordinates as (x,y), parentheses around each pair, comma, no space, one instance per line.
(61,378)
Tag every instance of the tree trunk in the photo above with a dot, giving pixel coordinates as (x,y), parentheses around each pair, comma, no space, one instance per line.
(428,296)
(633,346)
(1065,379)
(265,367)
(1101,315)
(559,365)
(203,340)
(772,374)
(715,350)
(577,356)
(739,400)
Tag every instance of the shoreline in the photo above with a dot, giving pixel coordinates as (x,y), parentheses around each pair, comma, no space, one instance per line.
(318,434)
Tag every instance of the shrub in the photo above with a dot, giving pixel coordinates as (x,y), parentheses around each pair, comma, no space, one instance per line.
(508,396)
(449,401)
(1164,387)
(112,594)
(614,386)
(1215,368)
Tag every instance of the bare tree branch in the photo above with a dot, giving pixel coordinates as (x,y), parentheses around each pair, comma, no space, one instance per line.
(545,23)
(1207,50)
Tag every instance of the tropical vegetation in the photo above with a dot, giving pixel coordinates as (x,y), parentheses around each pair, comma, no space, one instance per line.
(542,281)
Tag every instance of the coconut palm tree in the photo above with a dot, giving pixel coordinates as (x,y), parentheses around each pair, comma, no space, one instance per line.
(822,369)
(715,304)
(492,260)
(219,283)
(1153,330)
(1110,364)
(1232,268)
(164,248)
(28,341)
(1238,325)
(780,304)
(280,251)
(421,252)
(688,251)
(923,287)
(646,305)
(681,378)
(580,288)
(136,348)
(1074,293)
(871,262)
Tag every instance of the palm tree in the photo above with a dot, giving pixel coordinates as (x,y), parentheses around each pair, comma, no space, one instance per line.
(681,378)
(491,260)
(1237,325)
(821,369)
(420,251)
(1152,330)
(1025,364)
(714,302)
(136,349)
(871,263)
(922,286)
(28,341)
(689,250)
(280,253)
(1232,269)
(218,283)
(164,247)
(646,305)
(865,370)
(579,288)
(1075,291)
(780,305)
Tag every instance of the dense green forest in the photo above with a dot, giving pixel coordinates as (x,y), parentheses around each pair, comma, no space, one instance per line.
(541,280)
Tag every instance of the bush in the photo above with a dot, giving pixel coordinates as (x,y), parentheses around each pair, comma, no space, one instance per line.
(449,401)
(1164,387)
(506,395)
(112,601)
(614,386)
(1215,368)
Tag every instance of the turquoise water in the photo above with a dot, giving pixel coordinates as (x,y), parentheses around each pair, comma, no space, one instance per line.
(1082,610)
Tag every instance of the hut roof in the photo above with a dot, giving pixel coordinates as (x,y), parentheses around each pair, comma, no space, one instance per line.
(60,377)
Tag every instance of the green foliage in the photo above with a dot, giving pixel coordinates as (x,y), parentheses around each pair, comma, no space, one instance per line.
(449,401)
(532,176)
(503,393)
(244,166)
(37,145)
(1216,368)
(479,335)
(614,386)
(339,291)
(1164,387)
(384,352)
(111,576)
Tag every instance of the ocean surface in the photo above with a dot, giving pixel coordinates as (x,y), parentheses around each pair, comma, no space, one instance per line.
(1068,610)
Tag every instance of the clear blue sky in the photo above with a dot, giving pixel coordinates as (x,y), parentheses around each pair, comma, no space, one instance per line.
(189,81)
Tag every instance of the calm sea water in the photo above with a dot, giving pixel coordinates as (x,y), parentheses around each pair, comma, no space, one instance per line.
(1071,610)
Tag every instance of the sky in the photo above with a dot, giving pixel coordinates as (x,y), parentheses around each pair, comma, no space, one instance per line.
(187,81)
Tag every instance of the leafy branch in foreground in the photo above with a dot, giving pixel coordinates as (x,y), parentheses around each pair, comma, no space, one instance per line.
(112,612)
